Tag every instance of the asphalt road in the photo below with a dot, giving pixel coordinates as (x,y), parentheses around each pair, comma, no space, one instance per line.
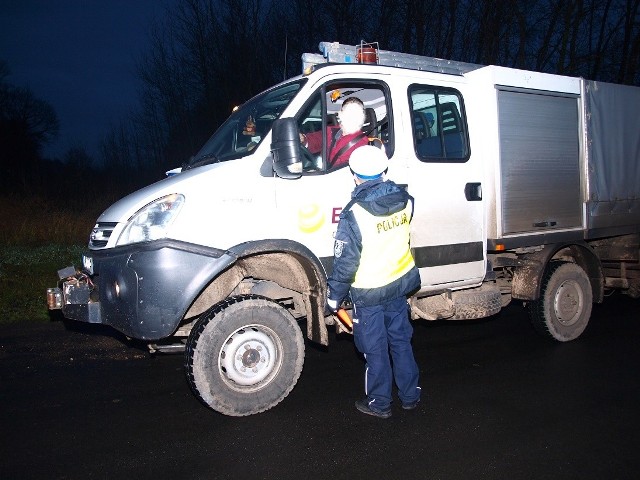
(499,402)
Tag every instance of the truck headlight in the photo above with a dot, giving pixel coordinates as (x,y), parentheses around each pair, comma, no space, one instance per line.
(152,221)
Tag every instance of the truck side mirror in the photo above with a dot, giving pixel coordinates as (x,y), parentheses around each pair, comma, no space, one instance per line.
(285,148)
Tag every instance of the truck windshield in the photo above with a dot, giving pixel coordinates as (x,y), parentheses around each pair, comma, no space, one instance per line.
(247,126)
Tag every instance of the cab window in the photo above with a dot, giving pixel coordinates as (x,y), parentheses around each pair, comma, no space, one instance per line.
(438,124)
(247,125)
(325,147)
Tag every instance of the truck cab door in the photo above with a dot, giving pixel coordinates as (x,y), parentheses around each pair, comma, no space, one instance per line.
(309,206)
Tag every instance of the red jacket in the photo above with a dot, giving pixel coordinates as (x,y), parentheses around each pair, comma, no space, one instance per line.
(336,147)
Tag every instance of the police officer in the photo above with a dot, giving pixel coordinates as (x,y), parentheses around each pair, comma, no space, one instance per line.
(374,265)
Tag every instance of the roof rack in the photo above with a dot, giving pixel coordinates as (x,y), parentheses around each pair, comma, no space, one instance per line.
(334,52)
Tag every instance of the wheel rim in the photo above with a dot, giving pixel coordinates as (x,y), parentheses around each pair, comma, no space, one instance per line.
(250,358)
(568,302)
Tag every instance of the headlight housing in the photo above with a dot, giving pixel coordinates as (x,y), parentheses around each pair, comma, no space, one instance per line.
(152,221)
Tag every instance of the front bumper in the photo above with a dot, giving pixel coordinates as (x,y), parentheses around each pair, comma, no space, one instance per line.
(141,290)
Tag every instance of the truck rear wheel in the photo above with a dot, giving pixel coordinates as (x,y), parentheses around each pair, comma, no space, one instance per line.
(564,307)
(244,355)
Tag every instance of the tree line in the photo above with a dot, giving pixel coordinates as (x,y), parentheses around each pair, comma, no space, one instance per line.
(207,56)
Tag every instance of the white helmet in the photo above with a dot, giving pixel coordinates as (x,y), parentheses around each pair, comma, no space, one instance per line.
(368,162)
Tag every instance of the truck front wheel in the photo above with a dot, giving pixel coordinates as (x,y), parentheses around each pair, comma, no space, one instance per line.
(564,307)
(244,355)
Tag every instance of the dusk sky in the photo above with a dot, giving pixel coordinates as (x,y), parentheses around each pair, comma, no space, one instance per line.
(79,56)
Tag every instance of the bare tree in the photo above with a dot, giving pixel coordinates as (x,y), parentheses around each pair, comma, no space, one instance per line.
(210,55)
(27,124)
(20,108)
(630,42)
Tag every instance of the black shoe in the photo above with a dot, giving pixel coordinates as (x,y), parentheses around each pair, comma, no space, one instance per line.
(410,406)
(363,406)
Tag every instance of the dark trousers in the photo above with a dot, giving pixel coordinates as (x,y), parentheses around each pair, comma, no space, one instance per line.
(382,333)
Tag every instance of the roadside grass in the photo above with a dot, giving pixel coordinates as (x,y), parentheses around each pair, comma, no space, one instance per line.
(25,274)
(38,238)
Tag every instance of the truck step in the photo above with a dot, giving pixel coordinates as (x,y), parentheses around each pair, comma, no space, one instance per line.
(166,348)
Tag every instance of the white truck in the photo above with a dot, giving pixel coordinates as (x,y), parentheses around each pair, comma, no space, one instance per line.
(526,186)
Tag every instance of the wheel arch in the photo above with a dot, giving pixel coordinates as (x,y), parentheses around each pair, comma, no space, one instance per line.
(286,263)
(528,276)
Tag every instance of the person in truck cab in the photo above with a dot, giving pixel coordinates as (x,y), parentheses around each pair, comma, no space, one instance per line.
(342,139)
(374,266)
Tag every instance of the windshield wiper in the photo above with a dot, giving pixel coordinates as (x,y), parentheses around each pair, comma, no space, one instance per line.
(205,159)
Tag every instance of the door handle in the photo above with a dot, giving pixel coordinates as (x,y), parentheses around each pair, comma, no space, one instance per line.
(473,191)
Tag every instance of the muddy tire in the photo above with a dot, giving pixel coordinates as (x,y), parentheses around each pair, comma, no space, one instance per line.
(562,312)
(244,355)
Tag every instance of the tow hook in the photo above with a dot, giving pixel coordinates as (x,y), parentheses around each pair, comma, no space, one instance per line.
(75,288)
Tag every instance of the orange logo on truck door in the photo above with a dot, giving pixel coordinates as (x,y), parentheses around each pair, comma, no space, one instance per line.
(310,218)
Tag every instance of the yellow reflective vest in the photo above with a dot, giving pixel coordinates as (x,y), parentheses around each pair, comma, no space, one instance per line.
(385,255)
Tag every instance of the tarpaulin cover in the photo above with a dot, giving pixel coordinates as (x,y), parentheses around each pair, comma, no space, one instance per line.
(613,147)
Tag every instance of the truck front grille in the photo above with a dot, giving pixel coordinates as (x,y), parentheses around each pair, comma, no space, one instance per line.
(100,234)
